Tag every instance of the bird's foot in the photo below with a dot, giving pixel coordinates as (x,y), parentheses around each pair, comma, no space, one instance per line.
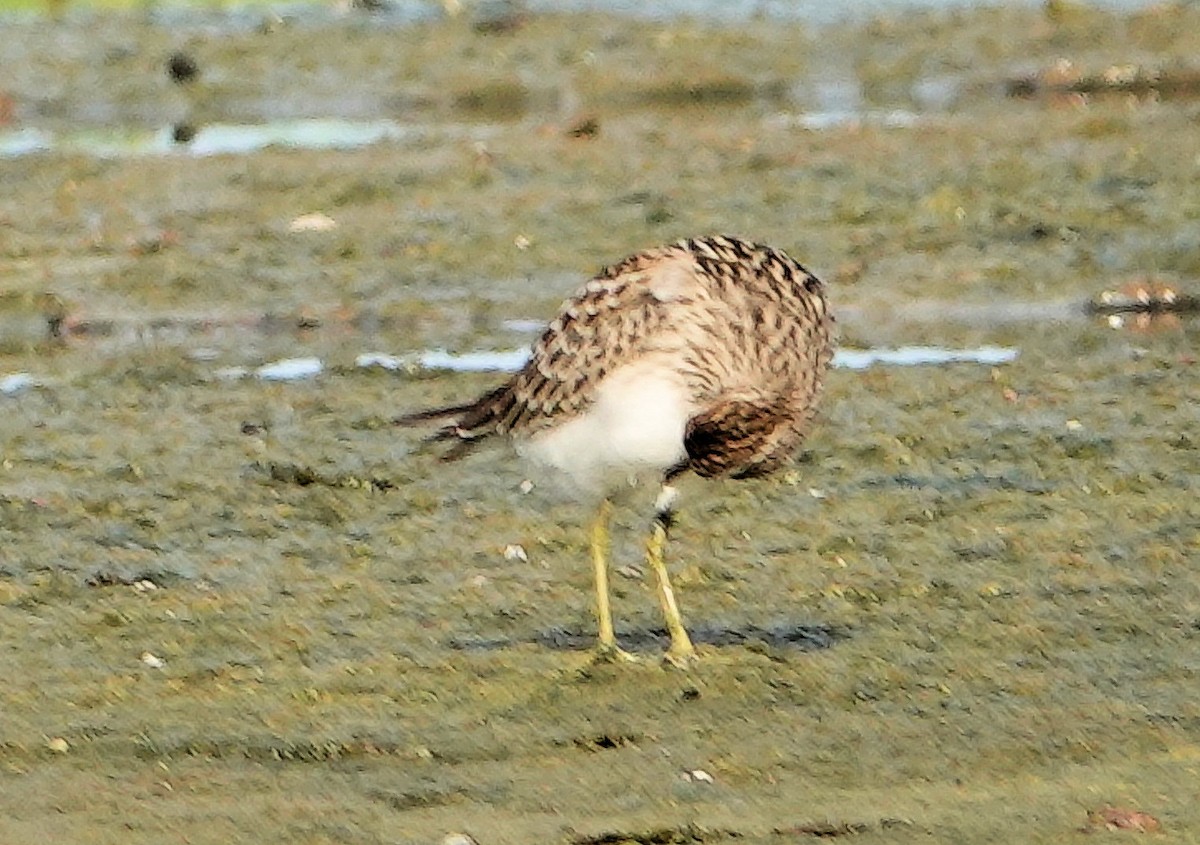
(681,656)
(611,653)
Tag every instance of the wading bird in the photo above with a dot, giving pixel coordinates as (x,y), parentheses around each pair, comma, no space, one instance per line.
(704,356)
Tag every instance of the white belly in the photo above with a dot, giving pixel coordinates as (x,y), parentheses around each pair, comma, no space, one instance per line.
(634,425)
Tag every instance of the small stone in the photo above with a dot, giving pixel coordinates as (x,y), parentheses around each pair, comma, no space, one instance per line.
(314,222)
(1074,425)
(699,776)
(515,551)
(458,839)
(153,661)
(182,68)
(58,745)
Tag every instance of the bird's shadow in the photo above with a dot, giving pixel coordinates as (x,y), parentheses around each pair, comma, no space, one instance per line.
(779,636)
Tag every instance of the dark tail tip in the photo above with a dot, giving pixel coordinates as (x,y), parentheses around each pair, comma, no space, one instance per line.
(420,417)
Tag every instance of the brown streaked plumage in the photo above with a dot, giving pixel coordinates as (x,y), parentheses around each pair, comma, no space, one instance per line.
(707,355)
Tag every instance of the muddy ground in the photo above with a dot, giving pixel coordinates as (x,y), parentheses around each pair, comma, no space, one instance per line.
(237,610)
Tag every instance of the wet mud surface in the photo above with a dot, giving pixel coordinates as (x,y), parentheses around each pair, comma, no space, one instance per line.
(243,608)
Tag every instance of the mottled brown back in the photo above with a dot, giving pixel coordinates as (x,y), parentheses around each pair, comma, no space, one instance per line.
(745,326)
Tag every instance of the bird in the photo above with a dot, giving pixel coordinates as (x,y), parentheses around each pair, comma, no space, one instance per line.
(704,356)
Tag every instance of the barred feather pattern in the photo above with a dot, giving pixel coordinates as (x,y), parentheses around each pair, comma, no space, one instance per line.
(744,328)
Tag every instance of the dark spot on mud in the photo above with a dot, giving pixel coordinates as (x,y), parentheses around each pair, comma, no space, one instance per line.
(498,18)
(182,68)
(606,742)
(183,133)
(416,799)
(780,636)
(833,830)
(659,836)
(1129,80)
(109,578)
(724,91)
(303,476)
(588,127)
(501,100)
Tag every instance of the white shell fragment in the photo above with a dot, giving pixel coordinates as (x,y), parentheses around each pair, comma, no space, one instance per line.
(290,369)
(458,839)
(315,222)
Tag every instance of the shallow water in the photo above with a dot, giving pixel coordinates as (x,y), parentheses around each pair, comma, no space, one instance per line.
(855,359)
(233,139)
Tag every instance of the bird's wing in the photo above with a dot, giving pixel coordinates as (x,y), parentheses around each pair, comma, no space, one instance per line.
(617,317)
(743,438)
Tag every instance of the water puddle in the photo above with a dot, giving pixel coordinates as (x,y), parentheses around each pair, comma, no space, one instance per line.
(15,383)
(508,361)
(845,118)
(285,369)
(911,356)
(232,139)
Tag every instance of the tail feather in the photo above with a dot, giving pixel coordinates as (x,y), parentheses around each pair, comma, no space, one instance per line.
(431,414)
(467,424)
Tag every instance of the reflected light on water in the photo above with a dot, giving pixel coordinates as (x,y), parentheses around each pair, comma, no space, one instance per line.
(508,361)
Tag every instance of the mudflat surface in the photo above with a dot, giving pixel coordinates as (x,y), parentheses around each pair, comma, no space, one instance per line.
(236,609)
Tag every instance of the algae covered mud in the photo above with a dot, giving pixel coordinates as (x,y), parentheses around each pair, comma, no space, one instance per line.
(237,605)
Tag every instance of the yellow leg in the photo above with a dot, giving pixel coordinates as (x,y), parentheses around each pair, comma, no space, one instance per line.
(681,652)
(608,648)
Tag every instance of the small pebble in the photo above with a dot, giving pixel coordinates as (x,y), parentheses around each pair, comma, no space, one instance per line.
(153,661)
(515,551)
(315,222)
(182,68)
(699,776)
(458,839)
(58,745)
